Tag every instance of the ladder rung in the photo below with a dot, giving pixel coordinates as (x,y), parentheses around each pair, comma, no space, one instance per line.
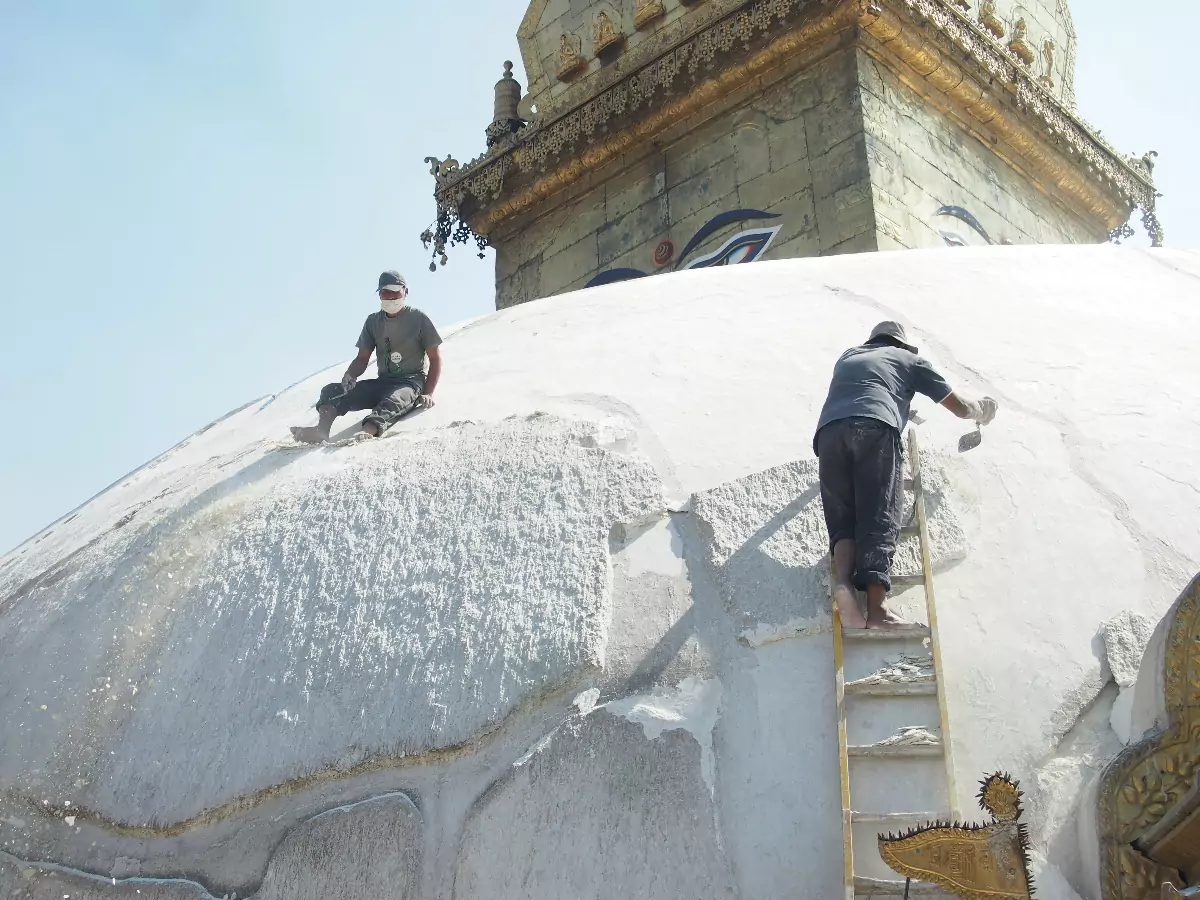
(908,751)
(877,887)
(899,818)
(907,580)
(893,688)
(902,633)
(909,484)
(910,530)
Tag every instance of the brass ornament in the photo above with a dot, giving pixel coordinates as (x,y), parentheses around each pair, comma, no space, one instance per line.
(604,32)
(975,862)
(647,12)
(570,59)
(1048,54)
(989,20)
(1019,45)
(1145,790)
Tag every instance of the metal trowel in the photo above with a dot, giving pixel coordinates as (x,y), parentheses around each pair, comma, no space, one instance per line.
(970,440)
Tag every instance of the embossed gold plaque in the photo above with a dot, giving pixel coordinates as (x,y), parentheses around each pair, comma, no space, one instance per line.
(970,861)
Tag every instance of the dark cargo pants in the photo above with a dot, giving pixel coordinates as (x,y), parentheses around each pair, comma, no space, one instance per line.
(862,489)
(387,398)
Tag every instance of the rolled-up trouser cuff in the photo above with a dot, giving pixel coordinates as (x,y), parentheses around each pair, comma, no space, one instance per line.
(336,396)
(860,471)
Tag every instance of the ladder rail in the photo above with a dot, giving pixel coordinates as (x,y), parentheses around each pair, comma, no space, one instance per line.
(843,745)
(914,454)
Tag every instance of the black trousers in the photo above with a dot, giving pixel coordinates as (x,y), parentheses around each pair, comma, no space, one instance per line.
(387,398)
(862,489)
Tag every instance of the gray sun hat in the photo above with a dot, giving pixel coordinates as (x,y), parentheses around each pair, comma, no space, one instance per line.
(893,330)
(391,281)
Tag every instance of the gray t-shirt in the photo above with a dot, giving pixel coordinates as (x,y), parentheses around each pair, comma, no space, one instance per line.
(400,342)
(878,381)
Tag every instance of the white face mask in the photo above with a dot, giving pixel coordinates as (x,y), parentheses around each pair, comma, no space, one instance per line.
(391,307)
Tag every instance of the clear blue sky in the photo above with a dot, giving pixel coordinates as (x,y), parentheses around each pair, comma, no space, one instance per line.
(196,198)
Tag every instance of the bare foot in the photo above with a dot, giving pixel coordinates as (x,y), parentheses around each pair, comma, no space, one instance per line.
(847,606)
(885,618)
(362,435)
(309,434)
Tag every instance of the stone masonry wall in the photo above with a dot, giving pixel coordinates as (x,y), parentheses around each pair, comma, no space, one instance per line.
(797,150)
(921,160)
(848,157)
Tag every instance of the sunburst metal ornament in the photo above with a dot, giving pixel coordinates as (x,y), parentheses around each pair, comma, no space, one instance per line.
(975,862)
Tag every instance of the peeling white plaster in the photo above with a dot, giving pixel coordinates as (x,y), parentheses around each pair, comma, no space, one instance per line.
(694,706)
(1125,640)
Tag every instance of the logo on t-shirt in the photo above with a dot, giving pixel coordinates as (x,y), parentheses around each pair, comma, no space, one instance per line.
(395,358)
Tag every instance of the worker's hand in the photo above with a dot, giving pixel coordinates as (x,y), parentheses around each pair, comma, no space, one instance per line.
(987,411)
(348,382)
(425,400)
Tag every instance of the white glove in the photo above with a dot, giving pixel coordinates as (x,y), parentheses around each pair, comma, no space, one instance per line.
(348,382)
(987,411)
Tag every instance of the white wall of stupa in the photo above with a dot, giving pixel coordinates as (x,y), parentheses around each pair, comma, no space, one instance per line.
(566,634)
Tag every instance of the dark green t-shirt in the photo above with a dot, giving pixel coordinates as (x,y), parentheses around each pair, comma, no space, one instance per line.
(400,342)
(878,381)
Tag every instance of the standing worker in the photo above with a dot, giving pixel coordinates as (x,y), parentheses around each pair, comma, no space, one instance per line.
(401,338)
(858,444)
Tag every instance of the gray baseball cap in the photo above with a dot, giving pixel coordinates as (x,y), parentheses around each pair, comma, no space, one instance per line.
(391,280)
(893,330)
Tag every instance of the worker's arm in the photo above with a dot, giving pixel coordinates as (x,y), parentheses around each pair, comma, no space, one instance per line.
(981,411)
(431,379)
(357,366)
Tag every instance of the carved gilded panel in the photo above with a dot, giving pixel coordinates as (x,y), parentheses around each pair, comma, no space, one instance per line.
(1147,792)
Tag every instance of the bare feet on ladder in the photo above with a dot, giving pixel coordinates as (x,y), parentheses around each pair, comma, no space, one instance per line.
(843,591)
(847,606)
(878,614)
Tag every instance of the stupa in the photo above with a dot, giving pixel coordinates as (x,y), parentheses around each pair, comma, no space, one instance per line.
(659,135)
(567,634)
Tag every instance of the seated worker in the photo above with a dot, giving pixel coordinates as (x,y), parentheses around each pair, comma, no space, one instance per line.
(858,445)
(401,337)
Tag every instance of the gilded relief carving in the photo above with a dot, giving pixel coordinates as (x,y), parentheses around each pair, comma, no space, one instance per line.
(604,32)
(1146,790)
(1048,55)
(570,59)
(1019,45)
(975,862)
(647,12)
(989,20)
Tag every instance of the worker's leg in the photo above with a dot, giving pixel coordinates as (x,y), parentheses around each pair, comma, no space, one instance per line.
(395,400)
(878,485)
(335,402)
(837,498)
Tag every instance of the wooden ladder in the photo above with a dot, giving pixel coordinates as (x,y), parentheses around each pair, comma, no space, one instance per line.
(893,773)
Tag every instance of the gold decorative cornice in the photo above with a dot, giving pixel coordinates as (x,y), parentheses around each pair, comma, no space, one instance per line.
(1061,150)
(1147,786)
(949,52)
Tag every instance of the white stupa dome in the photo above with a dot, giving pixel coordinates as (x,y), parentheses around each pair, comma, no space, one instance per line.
(566,634)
